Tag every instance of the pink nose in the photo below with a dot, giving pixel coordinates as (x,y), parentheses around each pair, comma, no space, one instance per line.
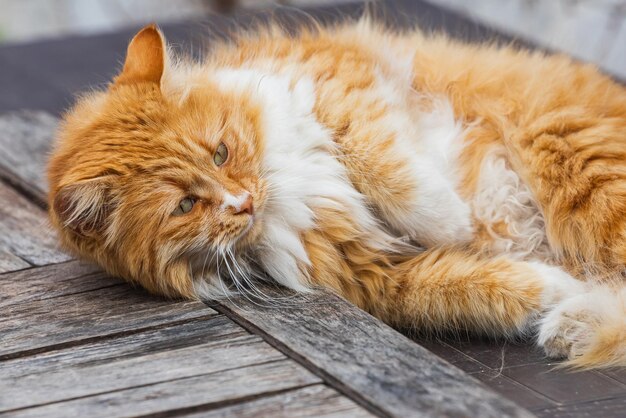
(246,207)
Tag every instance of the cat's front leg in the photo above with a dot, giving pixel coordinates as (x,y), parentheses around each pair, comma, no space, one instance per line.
(456,289)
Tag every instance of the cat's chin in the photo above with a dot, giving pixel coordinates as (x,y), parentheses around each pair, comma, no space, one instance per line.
(249,234)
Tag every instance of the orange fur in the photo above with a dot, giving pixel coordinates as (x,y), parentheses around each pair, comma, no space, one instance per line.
(126,156)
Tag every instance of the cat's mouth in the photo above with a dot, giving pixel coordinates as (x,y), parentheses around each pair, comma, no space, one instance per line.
(248,233)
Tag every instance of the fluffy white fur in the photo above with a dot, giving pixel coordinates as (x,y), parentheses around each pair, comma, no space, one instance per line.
(503,197)
(429,141)
(303,174)
(577,325)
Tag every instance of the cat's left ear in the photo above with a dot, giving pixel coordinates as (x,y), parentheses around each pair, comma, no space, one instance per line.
(145,58)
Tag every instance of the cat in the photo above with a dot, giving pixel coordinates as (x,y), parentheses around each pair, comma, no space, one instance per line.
(435,184)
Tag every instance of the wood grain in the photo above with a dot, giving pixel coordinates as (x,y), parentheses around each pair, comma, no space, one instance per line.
(77,318)
(365,359)
(52,281)
(24,232)
(313,401)
(199,389)
(169,337)
(116,374)
(10,262)
(25,140)
(602,408)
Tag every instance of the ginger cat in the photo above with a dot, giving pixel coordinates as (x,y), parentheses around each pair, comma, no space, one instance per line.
(435,184)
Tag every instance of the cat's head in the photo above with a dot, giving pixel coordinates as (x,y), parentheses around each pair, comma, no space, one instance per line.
(147,184)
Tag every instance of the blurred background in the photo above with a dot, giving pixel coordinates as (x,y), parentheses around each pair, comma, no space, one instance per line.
(592,30)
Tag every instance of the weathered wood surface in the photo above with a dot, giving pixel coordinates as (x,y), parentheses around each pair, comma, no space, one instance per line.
(79,318)
(189,359)
(72,303)
(52,281)
(312,401)
(196,392)
(25,238)
(10,262)
(216,329)
(600,409)
(25,141)
(140,370)
(365,359)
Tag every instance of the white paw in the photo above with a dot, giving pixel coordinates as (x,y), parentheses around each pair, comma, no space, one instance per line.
(558,285)
(567,330)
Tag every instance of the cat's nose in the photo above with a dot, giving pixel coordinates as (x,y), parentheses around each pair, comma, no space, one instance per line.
(239,204)
(246,207)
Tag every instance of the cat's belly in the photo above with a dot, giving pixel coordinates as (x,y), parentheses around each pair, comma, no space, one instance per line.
(507,217)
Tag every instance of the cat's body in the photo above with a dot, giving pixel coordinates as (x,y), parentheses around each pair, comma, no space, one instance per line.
(347,149)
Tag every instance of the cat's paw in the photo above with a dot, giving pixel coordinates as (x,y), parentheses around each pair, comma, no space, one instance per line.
(557,284)
(567,330)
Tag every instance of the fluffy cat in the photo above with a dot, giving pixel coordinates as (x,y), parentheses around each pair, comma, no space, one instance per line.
(435,184)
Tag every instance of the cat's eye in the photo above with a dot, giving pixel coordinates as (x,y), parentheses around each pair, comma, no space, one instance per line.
(184,206)
(221,154)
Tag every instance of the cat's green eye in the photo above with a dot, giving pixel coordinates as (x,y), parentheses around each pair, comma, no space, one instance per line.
(221,155)
(184,206)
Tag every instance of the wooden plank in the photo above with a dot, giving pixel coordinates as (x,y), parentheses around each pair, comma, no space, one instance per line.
(10,262)
(199,391)
(605,408)
(113,375)
(52,281)
(80,318)
(365,359)
(205,330)
(24,232)
(75,304)
(25,140)
(312,401)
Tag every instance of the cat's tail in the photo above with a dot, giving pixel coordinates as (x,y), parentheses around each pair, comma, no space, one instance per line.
(589,329)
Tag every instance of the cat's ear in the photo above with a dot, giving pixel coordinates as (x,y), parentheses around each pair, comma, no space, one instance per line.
(145,58)
(84,207)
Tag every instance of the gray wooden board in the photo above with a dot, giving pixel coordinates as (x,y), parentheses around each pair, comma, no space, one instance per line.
(25,140)
(10,262)
(24,233)
(317,401)
(81,311)
(205,330)
(116,374)
(365,359)
(203,389)
(51,281)
(80,318)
